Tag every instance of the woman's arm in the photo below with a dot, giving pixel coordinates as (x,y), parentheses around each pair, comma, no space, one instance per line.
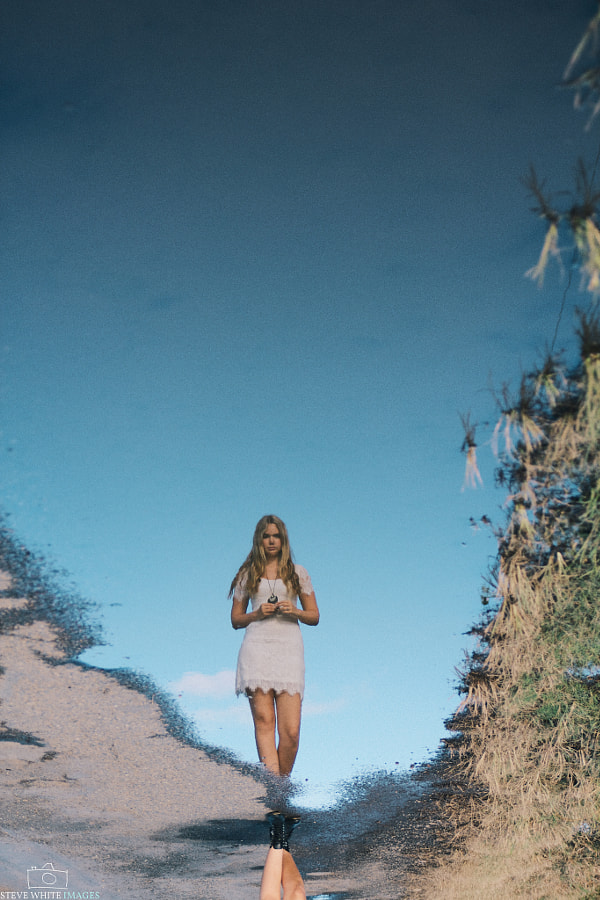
(308,615)
(241,619)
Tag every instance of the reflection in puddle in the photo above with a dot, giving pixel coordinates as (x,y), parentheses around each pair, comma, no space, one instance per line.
(324,851)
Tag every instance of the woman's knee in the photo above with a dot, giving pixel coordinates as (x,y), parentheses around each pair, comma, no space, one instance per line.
(288,718)
(289,733)
(263,714)
(295,891)
(264,719)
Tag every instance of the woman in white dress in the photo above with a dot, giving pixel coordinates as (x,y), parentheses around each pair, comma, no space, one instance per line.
(270,669)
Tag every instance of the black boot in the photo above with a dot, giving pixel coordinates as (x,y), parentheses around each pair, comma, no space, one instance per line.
(290,823)
(277,831)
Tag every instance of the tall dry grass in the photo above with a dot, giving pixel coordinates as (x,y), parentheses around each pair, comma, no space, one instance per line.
(527,731)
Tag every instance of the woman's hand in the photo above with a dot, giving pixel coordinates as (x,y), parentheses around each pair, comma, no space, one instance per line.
(308,615)
(287,608)
(241,619)
(267,609)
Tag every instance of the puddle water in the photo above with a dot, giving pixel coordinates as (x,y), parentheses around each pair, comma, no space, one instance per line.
(221,839)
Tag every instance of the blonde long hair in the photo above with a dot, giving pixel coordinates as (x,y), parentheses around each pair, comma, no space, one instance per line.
(253,567)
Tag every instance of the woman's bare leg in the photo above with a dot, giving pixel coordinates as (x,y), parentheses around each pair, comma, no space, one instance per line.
(262,706)
(289,711)
(270,886)
(281,870)
(291,879)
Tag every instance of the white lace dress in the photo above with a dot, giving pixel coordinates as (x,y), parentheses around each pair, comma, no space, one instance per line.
(272,653)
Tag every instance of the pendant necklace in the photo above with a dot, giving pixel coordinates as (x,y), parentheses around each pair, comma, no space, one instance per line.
(273,598)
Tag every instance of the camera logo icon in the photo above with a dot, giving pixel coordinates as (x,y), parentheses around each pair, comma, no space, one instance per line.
(47,876)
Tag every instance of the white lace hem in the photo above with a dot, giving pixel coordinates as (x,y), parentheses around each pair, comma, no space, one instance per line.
(280,687)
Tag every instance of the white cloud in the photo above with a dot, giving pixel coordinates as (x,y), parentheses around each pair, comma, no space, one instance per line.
(320,709)
(232,715)
(199,685)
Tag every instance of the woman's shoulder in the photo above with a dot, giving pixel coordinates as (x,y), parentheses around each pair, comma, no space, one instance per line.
(240,590)
(304,579)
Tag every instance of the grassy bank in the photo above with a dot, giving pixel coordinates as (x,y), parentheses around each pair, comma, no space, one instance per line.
(527,732)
